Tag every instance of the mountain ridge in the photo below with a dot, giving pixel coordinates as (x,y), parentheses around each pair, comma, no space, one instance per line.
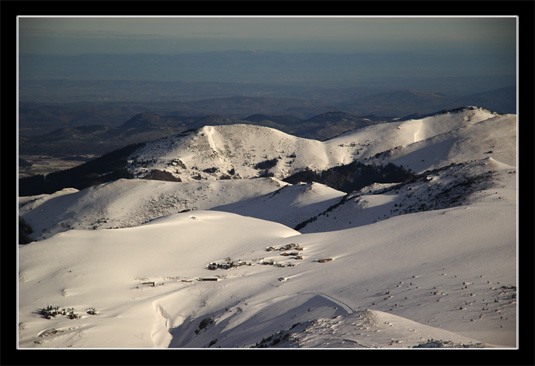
(210,152)
(144,126)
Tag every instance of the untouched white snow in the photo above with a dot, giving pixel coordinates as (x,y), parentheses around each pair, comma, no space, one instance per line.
(443,269)
(426,263)
(289,205)
(494,137)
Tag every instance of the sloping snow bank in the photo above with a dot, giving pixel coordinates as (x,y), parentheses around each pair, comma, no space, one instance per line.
(366,145)
(132,202)
(450,186)
(369,329)
(289,205)
(493,137)
(113,270)
(452,269)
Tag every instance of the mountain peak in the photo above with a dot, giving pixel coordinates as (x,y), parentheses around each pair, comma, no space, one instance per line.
(248,151)
(464,109)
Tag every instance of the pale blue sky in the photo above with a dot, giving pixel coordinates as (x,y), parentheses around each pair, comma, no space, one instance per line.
(166,35)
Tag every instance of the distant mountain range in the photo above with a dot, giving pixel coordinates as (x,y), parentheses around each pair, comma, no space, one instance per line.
(404,102)
(37,116)
(76,132)
(244,151)
(100,139)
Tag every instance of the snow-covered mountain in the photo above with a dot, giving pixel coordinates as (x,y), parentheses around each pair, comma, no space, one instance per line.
(246,151)
(456,136)
(234,151)
(216,259)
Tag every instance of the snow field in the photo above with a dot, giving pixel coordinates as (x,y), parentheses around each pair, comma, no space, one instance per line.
(426,263)
(289,205)
(106,269)
(441,250)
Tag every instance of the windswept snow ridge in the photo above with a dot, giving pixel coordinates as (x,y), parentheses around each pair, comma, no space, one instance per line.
(216,260)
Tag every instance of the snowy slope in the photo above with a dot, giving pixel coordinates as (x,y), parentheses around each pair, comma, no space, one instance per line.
(289,205)
(132,202)
(430,262)
(494,137)
(452,269)
(246,151)
(28,203)
(127,203)
(411,131)
(455,185)
(233,151)
(432,142)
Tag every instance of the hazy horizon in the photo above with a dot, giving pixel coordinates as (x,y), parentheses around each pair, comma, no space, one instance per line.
(260,48)
(324,60)
(189,34)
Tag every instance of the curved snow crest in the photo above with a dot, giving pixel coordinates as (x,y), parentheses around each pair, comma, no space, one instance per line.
(29,203)
(223,221)
(290,205)
(318,321)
